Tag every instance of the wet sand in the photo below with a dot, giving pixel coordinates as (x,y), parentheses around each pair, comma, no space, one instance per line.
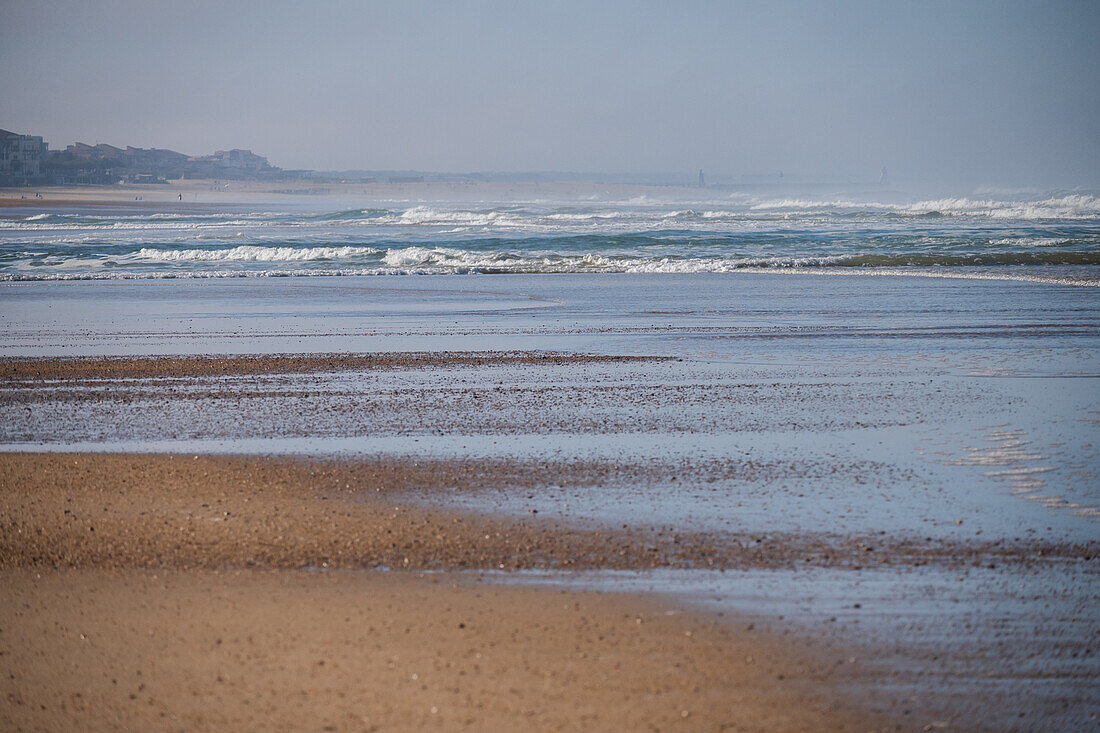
(80,510)
(71,370)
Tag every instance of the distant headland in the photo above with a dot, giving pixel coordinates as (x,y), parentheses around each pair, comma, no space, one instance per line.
(27,160)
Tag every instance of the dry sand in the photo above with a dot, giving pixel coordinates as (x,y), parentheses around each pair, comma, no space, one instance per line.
(206,192)
(261,650)
(121,612)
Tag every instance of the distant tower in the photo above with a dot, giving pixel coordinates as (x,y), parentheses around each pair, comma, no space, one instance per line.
(702,182)
(882,178)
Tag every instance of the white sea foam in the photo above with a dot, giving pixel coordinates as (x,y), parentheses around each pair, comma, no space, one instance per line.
(251,253)
(1073,206)
(424,215)
(579,217)
(810,205)
(673,258)
(415,256)
(1031,241)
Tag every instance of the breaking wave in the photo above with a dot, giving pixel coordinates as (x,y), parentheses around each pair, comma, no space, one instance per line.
(450,259)
(250,253)
(1062,207)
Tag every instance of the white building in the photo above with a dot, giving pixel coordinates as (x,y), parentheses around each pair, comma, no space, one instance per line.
(21,158)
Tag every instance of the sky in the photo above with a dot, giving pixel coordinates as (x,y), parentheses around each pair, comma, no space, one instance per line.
(967,93)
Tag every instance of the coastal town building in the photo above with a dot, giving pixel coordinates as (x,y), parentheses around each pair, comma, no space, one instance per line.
(133,165)
(102,163)
(21,158)
(235,163)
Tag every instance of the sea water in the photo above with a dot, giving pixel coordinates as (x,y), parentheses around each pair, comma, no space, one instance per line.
(1052,235)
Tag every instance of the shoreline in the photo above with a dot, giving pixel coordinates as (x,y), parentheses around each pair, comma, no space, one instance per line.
(861,271)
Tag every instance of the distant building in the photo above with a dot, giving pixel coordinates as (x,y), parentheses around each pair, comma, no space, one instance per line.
(235,163)
(243,159)
(702,181)
(83,163)
(21,158)
(102,163)
(153,165)
(24,160)
(235,159)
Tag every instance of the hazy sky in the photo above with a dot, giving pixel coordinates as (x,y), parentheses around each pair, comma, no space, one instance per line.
(993,93)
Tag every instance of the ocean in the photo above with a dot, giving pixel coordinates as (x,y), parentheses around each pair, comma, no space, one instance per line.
(1054,236)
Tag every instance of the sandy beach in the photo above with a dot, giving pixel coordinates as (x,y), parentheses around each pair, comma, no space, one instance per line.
(285,650)
(629,534)
(184,592)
